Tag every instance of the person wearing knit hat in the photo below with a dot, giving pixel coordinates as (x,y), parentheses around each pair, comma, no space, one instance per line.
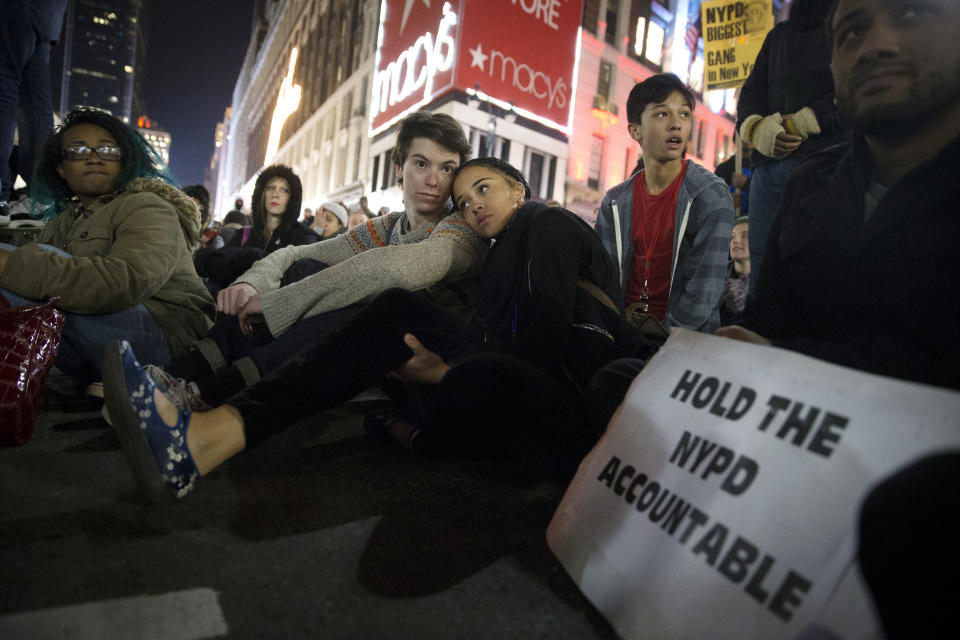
(331,220)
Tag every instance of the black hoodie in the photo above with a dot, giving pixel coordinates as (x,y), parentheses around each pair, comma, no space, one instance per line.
(223,266)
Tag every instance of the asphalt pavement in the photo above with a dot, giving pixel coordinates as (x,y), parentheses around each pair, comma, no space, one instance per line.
(321,532)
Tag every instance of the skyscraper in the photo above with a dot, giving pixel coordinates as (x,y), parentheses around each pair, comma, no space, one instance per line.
(104,47)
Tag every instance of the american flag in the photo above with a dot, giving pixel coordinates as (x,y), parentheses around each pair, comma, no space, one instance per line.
(692,35)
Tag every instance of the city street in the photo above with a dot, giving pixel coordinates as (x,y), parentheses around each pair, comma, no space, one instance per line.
(321,532)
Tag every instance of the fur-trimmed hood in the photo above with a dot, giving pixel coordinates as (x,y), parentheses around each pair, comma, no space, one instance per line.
(187,210)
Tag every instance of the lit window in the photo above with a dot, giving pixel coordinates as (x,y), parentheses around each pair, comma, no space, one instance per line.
(654,49)
(638,38)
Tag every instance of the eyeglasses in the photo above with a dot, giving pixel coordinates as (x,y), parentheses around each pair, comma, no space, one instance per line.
(82,152)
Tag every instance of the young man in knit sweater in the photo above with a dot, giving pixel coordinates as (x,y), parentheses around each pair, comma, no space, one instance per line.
(265,320)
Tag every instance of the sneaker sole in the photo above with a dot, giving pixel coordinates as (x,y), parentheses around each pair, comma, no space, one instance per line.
(126,423)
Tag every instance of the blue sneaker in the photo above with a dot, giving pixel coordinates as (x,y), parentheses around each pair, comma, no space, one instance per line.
(155,451)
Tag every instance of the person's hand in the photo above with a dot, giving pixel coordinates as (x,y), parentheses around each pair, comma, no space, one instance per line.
(785,144)
(232,299)
(425,367)
(737,200)
(4,254)
(253,307)
(735,332)
(738,180)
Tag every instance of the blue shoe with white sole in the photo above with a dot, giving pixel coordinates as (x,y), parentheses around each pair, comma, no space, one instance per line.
(156,451)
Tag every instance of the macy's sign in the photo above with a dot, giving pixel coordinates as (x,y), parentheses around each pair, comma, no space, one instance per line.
(416,66)
(528,80)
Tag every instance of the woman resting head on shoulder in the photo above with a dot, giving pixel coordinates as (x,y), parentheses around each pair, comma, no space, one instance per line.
(115,247)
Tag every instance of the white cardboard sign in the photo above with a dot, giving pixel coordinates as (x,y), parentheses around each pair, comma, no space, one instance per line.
(722,500)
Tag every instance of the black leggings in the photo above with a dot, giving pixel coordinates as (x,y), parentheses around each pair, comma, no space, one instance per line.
(489,405)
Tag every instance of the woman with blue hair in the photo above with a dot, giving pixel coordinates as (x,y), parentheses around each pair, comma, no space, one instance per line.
(116,246)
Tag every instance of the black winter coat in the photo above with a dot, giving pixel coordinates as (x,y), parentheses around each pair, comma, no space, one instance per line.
(883,296)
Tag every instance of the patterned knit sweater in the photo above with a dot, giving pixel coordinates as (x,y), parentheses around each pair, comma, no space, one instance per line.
(383,252)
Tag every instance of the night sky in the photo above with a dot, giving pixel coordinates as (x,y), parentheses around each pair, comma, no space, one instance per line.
(194,52)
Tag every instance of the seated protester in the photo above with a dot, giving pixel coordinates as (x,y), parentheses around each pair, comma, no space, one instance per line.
(331,220)
(860,267)
(209,229)
(507,387)
(735,286)
(307,220)
(126,236)
(668,226)
(426,246)
(356,218)
(276,205)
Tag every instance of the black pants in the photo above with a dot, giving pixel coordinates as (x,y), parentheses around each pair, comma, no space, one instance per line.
(488,406)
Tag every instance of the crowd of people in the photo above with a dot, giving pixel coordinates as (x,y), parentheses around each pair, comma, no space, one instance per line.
(507,329)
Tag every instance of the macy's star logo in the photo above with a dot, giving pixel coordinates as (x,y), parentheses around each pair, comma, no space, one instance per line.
(479,57)
(406,12)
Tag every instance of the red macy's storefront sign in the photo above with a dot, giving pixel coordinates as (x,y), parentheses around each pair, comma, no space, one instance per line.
(515,50)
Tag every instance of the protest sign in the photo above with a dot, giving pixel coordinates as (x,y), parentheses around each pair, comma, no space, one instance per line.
(721,502)
(733,32)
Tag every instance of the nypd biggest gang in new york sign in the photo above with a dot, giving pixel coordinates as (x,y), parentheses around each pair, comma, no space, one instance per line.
(522,51)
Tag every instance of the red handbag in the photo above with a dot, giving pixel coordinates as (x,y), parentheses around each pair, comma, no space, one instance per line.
(29,338)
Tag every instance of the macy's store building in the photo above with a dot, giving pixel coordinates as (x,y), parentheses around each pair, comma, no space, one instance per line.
(541,84)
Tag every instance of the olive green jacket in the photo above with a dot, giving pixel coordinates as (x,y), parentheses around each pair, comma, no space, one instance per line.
(132,246)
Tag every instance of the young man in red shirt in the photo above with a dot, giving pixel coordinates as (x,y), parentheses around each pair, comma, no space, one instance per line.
(668,226)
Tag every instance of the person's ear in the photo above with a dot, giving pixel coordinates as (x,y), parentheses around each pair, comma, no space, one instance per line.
(398,170)
(519,191)
(634,130)
(60,171)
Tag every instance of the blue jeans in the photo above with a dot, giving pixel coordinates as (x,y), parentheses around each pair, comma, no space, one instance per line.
(86,336)
(24,84)
(766,185)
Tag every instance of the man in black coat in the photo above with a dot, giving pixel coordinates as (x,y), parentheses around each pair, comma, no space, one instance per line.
(862,269)
(861,264)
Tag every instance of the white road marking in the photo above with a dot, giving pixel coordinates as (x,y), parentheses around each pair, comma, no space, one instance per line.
(180,615)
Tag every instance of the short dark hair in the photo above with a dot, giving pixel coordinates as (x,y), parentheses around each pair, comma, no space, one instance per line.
(139,160)
(656,89)
(511,173)
(439,127)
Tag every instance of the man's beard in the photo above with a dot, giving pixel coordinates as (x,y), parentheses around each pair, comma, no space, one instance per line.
(895,120)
